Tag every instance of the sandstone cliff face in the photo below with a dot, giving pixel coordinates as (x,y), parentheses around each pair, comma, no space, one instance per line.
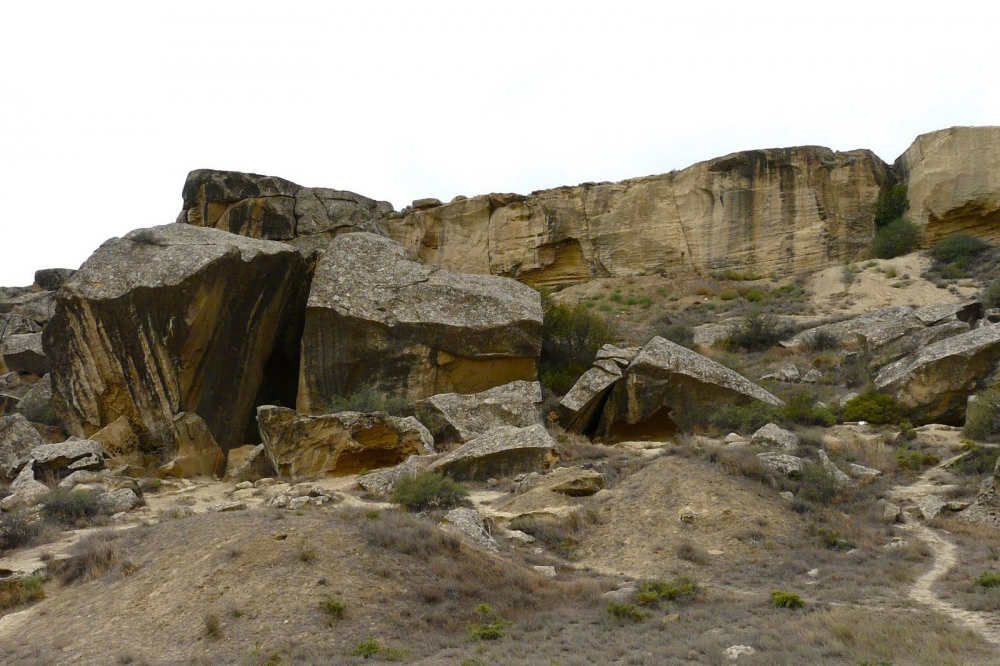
(176,319)
(276,209)
(378,317)
(770,212)
(953,182)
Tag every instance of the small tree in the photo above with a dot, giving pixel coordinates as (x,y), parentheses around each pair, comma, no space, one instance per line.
(895,239)
(890,204)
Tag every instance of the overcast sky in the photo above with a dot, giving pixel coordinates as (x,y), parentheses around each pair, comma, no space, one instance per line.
(106,106)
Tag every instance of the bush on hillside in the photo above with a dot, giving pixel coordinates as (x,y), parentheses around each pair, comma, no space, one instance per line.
(369,399)
(428,491)
(895,239)
(757,331)
(743,419)
(571,336)
(960,250)
(875,408)
(982,418)
(890,205)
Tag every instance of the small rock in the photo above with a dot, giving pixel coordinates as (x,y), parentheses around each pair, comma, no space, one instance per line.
(228,506)
(621,595)
(891,511)
(297,503)
(897,542)
(517,536)
(279,501)
(841,479)
(468,524)
(931,507)
(547,571)
(734,652)
(24,490)
(244,494)
(782,462)
(673,617)
(862,472)
(788,495)
(956,505)
(117,501)
(813,376)
(686,515)
(121,517)
(773,436)
(812,573)
(243,485)
(264,483)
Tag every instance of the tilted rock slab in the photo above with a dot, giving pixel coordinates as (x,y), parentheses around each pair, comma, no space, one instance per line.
(384,481)
(953,182)
(933,385)
(61,456)
(779,211)
(503,451)
(668,386)
(343,443)
(452,417)
(17,439)
(276,209)
(24,353)
(580,407)
(376,316)
(176,319)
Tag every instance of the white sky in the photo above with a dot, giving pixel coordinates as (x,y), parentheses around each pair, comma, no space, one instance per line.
(106,106)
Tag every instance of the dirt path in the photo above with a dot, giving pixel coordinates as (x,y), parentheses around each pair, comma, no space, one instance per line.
(986,624)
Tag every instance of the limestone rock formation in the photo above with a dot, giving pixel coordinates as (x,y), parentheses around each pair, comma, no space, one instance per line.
(953,182)
(383,481)
(17,439)
(467,524)
(378,317)
(503,451)
(276,209)
(24,353)
(36,403)
(452,417)
(777,211)
(667,387)
(781,462)
(25,490)
(343,443)
(933,384)
(247,461)
(177,319)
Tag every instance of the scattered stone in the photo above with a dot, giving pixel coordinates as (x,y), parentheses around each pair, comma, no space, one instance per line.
(452,417)
(788,495)
(343,443)
(621,595)
(782,462)
(17,440)
(772,436)
(279,501)
(244,485)
(296,503)
(469,525)
(897,542)
(246,461)
(957,505)
(931,506)
(51,279)
(228,506)
(519,537)
(891,512)
(734,652)
(735,439)
(547,571)
(83,476)
(686,515)
(812,376)
(839,478)
(573,481)
(123,499)
(501,452)
(864,473)
(382,482)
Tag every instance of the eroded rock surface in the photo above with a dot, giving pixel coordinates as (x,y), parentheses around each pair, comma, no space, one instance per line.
(503,451)
(17,439)
(452,417)
(377,316)
(176,319)
(343,443)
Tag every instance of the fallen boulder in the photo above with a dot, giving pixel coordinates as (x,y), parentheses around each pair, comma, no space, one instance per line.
(933,385)
(17,440)
(51,279)
(247,461)
(24,353)
(59,457)
(176,319)
(668,387)
(196,452)
(341,443)
(580,408)
(24,491)
(36,404)
(377,316)
(467,524)
(773,436)
(782,462)
(501,452)
(384,481)
(452,417)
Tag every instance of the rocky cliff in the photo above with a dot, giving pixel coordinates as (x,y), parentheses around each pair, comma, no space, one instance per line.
(765,211)
(953,182)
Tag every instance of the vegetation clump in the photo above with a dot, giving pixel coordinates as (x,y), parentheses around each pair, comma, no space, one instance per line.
(890,204)
(782,599)
(895,239)
(429,491)
(16,592)
(17,530)
(626,612)
(817,485)
(368,399)
(490,630)
(757,331)
(988,579)
(960,250)
(982,418)
(571,336)
(875,408)
(978,461)
(72,507)
(913,459)
(679,589)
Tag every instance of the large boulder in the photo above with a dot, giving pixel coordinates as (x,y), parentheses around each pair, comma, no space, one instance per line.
(343,443)
(452,417)
(59,457)
(933,385)
(580,407)
(24,353)
(668,387)
(177,319)
(38,306)
(17,439)
(276,209)
(15,324)
(953,182)
(24,491)
(503,451)
(36,403)
(196,452)
(379,317)
(871,330)
(51,279)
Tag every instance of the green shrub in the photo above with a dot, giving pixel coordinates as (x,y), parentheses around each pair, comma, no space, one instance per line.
(369,399)
(960,250)
(212,627)
(626,612)
(757,331)
(988,579)
(978,461)
(16,592)
(744,419)
(677,333)
(428,491)
(333,608)
(72,507)
(890,204)
(875,408)
(754,296)
(367,648)
(802,409)
(982,417)
(991,294)
(895,239)
(783,599)
(679,589)
(914,459)
(817,485)
(492,629)
(571,336)
(822,341)
(17,530)
(728,295)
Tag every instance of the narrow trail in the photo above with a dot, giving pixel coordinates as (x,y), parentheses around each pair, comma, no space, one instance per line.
(985,624)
